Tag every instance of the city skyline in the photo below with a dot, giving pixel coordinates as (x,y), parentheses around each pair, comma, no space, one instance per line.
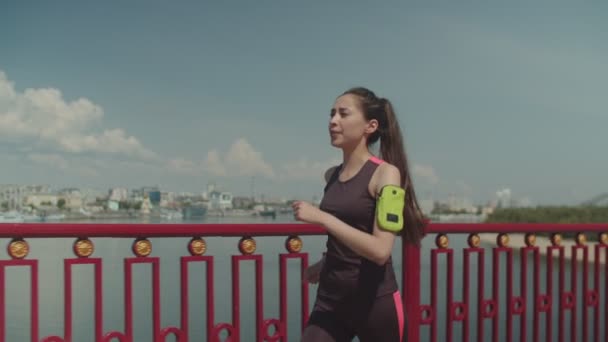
(38,200)
(489,99)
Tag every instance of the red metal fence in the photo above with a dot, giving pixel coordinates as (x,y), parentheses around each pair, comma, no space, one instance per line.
(525,312)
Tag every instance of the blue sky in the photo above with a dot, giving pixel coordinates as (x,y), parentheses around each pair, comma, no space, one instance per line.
(104,94)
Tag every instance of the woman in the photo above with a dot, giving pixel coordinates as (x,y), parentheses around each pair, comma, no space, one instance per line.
(358,293)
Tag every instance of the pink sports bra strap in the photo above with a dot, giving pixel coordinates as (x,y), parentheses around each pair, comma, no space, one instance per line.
(376,160)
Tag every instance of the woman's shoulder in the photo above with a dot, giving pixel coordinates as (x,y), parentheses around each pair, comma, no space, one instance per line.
(384,174)
(384,168)
(329,172)
(387,173)
(388,169)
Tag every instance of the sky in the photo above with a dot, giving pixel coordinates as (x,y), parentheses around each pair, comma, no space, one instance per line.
(491,98)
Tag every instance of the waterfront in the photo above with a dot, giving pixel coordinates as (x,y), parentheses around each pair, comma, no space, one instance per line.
(50,252)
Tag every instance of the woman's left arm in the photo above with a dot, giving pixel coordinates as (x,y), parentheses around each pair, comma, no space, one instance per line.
(376,247)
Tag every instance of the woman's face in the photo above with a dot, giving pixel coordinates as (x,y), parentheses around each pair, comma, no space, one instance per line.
(347,123)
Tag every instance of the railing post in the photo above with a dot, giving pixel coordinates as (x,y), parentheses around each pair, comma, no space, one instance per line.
(411,289)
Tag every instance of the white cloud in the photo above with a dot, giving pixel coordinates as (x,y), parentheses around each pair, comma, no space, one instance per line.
(213,164)
(43,117)
(110,141)
(426,172)
(7,89)
(243,159)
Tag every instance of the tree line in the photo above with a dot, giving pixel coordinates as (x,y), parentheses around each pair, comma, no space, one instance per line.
(550,214)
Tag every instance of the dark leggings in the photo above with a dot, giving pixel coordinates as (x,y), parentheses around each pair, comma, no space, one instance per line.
(383,320)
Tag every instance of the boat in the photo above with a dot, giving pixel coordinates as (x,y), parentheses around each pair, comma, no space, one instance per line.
(265,211)
(53,217)
(168,214)
(268,213)
(11,217)
(85,212)
(31,218)
(194,211)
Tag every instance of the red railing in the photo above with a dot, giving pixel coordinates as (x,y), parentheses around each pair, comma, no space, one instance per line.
(527,312)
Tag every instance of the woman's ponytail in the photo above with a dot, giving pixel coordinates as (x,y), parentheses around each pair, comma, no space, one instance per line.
(392,150)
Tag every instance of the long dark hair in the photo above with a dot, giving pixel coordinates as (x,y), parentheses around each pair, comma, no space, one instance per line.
(392,150)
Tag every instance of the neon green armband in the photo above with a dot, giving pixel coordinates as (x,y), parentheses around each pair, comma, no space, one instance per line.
(389,208)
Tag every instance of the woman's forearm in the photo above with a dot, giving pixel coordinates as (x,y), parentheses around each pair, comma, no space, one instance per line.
(366,245)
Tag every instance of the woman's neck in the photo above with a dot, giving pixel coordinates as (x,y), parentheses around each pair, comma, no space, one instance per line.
(354,158)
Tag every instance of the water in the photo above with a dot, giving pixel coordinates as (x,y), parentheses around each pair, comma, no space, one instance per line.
(50,252)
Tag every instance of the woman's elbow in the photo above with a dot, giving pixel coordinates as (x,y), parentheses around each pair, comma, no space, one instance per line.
(381,258)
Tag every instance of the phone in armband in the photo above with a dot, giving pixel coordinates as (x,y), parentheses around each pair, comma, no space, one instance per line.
(389,208)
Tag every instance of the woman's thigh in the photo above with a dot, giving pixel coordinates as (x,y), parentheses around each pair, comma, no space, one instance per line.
(385,321)
(326,327)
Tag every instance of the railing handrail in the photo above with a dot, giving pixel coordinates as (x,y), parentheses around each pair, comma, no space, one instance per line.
(54,230)
(101,229)
(471,228)
(410,254)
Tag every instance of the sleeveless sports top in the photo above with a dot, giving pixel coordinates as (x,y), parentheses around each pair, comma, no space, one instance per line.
(345,273)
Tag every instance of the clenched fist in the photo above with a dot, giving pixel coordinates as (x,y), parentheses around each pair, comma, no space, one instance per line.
(306,212)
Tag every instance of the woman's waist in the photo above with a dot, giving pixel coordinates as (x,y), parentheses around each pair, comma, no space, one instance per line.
(342,256)
(348,280)
(355,270)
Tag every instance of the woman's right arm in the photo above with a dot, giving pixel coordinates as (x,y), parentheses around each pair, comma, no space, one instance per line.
(313,272)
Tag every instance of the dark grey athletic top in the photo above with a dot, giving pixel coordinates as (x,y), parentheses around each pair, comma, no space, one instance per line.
(346,274)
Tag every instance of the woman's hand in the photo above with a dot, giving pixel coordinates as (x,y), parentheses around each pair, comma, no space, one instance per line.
(306,212)
(312,272)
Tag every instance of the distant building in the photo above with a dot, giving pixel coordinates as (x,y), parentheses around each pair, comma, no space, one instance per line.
(40,200)
(73,198)
(504,198)
(137,195)
(13,195)
(273,200)
(487,211)
(242,202)
(113,205)
(118,194)
(153,194)
(90,196)
(73,201)
(146,205)
(69,191)
(211,187)
(168,199)
(220,200)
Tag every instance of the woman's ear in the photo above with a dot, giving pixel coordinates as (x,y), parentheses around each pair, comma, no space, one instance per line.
(372,126)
